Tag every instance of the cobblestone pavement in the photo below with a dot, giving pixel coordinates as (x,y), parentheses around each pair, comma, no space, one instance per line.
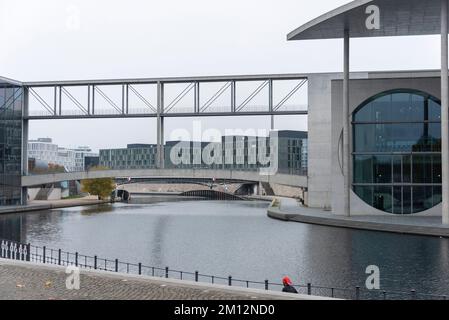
(20,280)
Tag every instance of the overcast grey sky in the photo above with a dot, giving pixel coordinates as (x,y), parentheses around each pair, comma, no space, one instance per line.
(62,39)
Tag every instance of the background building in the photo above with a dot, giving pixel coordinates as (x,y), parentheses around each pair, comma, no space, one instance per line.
(81,153)
(244,153)
(73,160)
(134,156)
(43,149)
(292,152)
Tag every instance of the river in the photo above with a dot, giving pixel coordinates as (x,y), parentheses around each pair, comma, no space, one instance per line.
(237,238)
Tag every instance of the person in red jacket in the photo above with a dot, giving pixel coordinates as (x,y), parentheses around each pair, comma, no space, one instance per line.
(288,285)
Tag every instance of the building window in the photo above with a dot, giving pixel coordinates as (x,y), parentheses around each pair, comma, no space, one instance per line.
(397,152)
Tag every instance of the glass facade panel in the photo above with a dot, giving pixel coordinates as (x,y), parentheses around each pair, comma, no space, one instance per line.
(382,108)
(422,168)
(11,98)
(397,169)
(407,200)
(434,110)
(398,137)
(363,169)
(383,199)
(365,115)
(397,145)
(406,168)
(382,169)
(397,200)
(436,169)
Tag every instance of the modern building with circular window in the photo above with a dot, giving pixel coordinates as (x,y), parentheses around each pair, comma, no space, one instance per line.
(397,152)
(382,130)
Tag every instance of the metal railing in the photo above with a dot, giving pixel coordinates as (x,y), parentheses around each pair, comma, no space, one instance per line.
(37,254)
(178,110)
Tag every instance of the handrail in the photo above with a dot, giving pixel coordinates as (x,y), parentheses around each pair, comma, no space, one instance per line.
(26,252)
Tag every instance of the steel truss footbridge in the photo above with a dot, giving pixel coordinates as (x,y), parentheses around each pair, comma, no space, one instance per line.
(160,98)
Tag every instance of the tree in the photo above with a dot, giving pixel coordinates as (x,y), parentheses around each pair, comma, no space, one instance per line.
(101,187)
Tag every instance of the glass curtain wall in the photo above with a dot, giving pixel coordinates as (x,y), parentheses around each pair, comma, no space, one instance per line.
(397,152)
(11,100)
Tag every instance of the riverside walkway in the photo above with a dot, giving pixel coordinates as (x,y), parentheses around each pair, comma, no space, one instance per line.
(37,205)
(291,210)
(30,281)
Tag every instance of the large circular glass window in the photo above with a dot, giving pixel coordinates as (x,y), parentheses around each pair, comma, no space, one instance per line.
(397,152)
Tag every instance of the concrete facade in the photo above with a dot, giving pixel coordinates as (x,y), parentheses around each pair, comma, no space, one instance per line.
(325,180)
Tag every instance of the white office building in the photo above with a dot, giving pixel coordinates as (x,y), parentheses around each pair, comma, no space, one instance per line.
(71,159)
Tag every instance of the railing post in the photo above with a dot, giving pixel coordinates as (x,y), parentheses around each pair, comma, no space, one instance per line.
(140,268)
(76,259)
(196,276)
(43,254)
(29,252)
(116,265)
(230,281)
(309,289)
(59,257)
(266,284)
(413,293)
(357,293)
(166,272)
(95,262)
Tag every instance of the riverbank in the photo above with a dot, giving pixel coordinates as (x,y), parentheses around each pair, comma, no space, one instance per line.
(31,281)
(154,197)
(290,210)
(37,205)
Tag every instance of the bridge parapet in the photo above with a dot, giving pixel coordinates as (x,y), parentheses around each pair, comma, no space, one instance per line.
(203,174)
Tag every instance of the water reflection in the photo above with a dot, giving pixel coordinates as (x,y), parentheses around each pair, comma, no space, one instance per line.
(236,238)
(100,209)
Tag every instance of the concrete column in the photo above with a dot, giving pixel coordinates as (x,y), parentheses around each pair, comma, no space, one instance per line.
(162,143)
(25,108)
(160,126)
(445,110)
(346,128)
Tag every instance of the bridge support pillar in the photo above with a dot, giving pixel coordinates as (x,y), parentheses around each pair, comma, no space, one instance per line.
(160,126)
(25,125)
(258,189)
(160,143)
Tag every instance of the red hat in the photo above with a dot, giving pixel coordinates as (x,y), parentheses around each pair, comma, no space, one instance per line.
(286,281)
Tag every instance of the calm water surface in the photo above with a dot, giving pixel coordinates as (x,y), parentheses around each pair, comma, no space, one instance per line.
(238,239)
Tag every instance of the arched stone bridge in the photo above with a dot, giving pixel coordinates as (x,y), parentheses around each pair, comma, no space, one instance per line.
(169,174)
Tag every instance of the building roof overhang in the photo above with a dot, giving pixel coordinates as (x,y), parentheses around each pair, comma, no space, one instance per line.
(397,18)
